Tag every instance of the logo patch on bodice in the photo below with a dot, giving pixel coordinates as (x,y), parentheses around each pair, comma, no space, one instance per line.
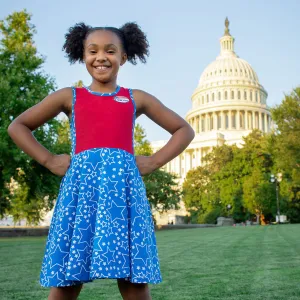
(121,99)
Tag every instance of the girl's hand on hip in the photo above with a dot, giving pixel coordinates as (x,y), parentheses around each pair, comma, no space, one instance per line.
(58,164)
(145,164)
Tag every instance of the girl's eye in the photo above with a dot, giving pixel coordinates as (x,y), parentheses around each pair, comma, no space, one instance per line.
(110,51)
(93,52)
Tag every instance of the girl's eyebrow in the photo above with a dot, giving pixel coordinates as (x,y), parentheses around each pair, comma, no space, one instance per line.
(92,45)
(111,45)
(107,45)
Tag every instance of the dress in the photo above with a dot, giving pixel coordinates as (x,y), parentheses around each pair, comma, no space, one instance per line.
(102,225)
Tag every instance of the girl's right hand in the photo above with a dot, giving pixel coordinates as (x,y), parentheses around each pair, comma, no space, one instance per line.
(58,164)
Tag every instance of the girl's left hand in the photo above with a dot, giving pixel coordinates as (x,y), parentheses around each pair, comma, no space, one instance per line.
(145,164)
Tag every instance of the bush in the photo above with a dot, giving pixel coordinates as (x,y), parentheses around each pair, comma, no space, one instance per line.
(210,217)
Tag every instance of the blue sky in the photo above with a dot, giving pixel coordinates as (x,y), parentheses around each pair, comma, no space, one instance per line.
(184,39)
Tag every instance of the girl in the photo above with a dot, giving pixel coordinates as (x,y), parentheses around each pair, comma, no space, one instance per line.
(102,225)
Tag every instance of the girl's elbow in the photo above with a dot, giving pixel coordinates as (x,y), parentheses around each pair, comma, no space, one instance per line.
(11,128)
(191,132)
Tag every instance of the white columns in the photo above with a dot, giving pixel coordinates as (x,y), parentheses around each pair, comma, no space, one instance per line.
(200,123)
(200,156)
(222,120)
(229,120)
(196,157)
(246,120)
(259,121)
(206,122)
(186,161)
(215,116)
(237,120)
(178,164)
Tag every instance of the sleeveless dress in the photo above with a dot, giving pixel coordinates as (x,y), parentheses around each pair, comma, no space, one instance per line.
(102,224)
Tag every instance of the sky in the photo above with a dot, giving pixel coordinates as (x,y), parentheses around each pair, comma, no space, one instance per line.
(184,39)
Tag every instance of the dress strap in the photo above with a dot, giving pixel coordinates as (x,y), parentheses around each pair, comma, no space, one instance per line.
(132,99)
(134,116)
(72,125)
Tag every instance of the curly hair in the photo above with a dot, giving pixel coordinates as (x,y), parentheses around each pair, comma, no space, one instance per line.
(133,40)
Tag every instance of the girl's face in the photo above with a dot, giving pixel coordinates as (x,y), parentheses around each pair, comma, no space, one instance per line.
(103,55)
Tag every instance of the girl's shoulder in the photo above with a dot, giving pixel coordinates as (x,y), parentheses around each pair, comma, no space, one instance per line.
(64,97)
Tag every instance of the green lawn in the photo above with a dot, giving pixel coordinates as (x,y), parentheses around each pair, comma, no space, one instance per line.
(213,263)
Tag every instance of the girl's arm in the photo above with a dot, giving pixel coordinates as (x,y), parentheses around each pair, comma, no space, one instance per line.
(20,130)
(182,133)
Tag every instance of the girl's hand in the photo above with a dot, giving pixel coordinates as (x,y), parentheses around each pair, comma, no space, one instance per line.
(145,164)
(58,164)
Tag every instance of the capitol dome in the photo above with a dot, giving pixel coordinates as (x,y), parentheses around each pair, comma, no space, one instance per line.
(229,67)
(227,104)
(229,96)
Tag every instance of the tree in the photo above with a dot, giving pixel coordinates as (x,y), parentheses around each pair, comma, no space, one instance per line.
(163,191)
(285,145)
(203,186)
(141,144)
(23,84)
(162,188)
(79,84)
(235,176)
(195,189)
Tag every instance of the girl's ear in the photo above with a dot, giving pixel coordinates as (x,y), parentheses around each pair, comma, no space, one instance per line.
(123,59)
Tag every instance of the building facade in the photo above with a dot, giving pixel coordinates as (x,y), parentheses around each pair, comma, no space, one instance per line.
(228,103)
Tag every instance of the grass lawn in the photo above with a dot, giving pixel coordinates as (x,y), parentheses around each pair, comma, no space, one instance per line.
(198,264)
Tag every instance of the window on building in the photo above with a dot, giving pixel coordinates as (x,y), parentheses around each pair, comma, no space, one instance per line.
(239,95)
(232,94)
(225,96)
(219,96)
(213,96)
(245,95)
(251,96)
(207,98)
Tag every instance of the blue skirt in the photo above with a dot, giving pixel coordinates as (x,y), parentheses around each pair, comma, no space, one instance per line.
(102,224)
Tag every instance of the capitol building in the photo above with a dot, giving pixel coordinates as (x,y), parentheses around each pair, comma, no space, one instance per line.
(228,103)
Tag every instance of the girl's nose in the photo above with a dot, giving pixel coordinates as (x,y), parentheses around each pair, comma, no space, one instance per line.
(101,57)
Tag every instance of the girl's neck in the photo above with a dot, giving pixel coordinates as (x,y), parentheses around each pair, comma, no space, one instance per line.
(100,87)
